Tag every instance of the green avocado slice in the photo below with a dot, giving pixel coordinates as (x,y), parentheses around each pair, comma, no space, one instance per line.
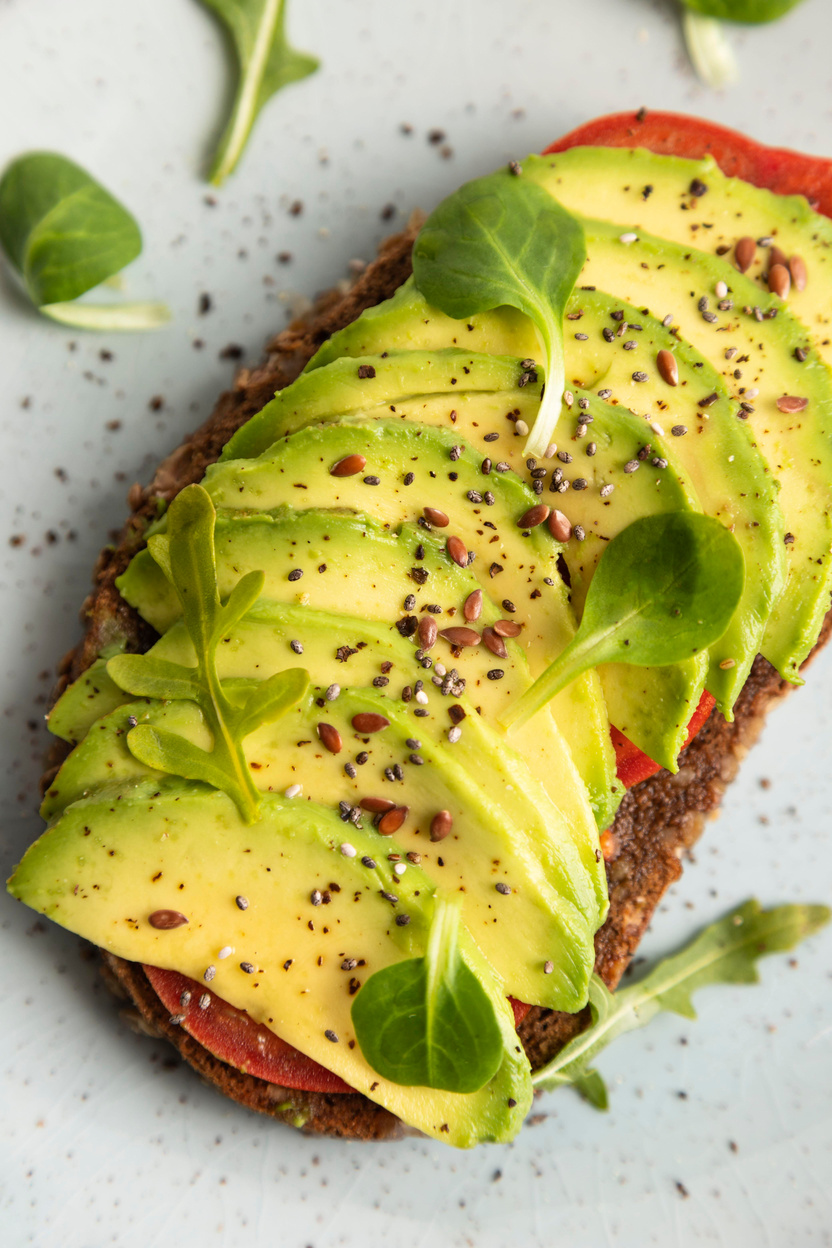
(796,447)
(652,707)
(711,221)
(553,901)
(615,485)
(89,697)
(341,650)
(113,860)
(344,556)
(358,385)
(406,322)
(714,449)
(725,467)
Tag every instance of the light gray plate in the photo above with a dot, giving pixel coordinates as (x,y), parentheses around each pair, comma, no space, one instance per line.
(102,1141)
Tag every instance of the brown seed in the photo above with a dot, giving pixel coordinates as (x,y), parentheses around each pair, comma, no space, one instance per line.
(348,467)
(668,368)
(776,256)
(791,403)
(440,825)
(533,517)
(797,268)
(369,721)
(330,738)
(744,253)
(559,527)
(457,550)
(436,517)
(507,628)
(427,632)
(393,820)
(164,920)
(473,605)
(494,643)
(377,805)
(779,280)
(461,636)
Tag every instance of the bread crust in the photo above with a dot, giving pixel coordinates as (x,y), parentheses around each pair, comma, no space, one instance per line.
(657,824)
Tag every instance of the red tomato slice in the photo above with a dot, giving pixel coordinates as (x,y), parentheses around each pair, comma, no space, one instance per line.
(633,765)
(672,134)
(234,1037)
(520,1010)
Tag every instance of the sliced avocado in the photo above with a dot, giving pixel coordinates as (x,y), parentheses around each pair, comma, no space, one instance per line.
(614,482)
(710,445)
(727,470)
(360,385)
(105,868)
(652,707)
(649,272)
(521,844)
(712,217)
(407,322)
(89,697)
(350,653)
(372,656)
(343,556)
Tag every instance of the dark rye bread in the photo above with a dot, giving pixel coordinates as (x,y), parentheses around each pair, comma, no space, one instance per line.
(657,823)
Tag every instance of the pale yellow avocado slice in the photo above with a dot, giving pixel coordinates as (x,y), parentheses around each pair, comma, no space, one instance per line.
(345,556)
(612,183)
(489,844)
(659,275)
(109,864)
(261,645)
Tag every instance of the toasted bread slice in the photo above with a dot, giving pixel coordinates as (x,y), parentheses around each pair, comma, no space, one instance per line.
(657,823)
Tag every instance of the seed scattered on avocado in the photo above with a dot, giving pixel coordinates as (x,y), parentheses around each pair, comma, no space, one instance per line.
(166,920)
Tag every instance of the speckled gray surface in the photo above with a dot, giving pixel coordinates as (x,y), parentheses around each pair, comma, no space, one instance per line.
(720,1131)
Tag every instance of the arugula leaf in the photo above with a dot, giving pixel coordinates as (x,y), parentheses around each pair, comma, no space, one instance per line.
(267,63)
(502,240)
(665,587)
(63,233)
(726,952)
(429,1022)
(185,553)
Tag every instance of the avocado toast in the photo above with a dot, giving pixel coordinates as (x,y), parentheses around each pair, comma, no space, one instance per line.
(556,787)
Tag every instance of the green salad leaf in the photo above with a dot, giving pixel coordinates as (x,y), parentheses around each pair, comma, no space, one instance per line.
(267,63)
(752,11)
(428,1022)
(708,48)
(185,553)
(504,241)
(63,234)
(726,952)
(664,589)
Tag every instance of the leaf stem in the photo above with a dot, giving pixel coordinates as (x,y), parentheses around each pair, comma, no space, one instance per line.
(548,413)
(709,50)
(569,664)
(105,317)
(245,107)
